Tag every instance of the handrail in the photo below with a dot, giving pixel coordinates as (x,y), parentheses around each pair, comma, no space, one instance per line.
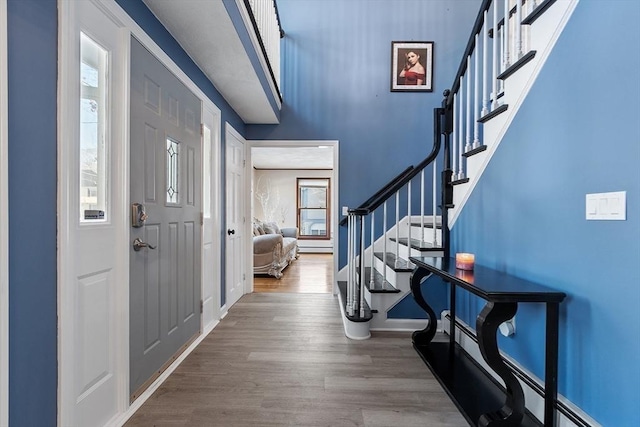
(471,44)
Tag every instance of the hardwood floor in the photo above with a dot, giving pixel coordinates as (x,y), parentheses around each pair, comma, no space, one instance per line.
(310,273)
(282,360)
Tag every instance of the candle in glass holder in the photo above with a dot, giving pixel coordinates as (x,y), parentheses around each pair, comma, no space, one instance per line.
(464,261)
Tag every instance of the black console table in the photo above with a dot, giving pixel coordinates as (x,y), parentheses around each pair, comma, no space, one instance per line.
(476,394)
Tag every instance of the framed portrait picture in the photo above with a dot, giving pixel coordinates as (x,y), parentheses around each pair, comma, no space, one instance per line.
(411,66)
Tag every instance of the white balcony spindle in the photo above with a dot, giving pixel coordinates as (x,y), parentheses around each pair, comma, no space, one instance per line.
(476,99)
(433,203)
(409,222)
(362,276)
(467,145)
(349,263)
(397,263)
(384,242)
(372,282)
(485,49)
(506,37)
(518,30)
(494,60)
(460,132)
(454,136)
(422,208)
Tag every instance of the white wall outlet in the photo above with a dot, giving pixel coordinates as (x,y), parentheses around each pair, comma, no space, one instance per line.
(508,328)
(607,206)
(345,210)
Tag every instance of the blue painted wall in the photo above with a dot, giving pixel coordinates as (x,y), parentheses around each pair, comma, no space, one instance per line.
(336,63)
(32,67)
(577,132)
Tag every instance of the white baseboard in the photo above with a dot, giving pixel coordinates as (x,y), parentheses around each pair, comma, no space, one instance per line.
(568,414)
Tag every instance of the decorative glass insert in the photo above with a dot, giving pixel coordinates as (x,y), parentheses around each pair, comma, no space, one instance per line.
(313,208)
(93,134)
(173,151)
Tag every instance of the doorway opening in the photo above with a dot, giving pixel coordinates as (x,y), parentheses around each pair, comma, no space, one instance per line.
(294,186)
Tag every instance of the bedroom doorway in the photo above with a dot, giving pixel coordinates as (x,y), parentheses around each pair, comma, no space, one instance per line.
(278,168)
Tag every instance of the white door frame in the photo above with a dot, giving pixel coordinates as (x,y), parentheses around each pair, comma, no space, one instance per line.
(247,249)
(68,25)
(4,224)
(334,195)
(211,118)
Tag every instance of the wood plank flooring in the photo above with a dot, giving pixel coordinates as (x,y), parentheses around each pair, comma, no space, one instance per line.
(281,359)
(310,273)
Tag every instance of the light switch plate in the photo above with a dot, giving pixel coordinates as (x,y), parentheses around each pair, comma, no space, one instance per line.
(607,206)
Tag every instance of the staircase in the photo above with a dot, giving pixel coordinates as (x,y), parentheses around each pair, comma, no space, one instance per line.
(499,66)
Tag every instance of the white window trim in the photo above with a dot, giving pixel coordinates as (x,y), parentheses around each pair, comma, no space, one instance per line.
(4,224)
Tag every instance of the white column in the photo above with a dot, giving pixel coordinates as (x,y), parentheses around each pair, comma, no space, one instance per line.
(485,49)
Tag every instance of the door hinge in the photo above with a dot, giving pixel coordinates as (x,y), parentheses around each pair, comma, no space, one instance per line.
(201,306)
(201,129)
(244,277)
(201,218)
(244,163)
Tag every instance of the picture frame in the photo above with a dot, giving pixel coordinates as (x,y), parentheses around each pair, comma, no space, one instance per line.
(412,66)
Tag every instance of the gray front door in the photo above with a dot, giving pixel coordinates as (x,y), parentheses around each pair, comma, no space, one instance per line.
(166,180)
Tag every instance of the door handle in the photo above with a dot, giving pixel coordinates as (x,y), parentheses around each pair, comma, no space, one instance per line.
(139,244)
(230,232)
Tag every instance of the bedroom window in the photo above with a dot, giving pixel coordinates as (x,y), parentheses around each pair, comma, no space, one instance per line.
(313,208)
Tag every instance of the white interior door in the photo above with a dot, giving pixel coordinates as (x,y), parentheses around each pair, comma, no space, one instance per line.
(211,217)
(90,190)
(235,163)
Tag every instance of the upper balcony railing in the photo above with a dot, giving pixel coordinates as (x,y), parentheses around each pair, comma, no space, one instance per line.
(266,24)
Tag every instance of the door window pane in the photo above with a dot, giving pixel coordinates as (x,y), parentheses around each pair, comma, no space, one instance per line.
(313,208)
(173,148)
(93,141)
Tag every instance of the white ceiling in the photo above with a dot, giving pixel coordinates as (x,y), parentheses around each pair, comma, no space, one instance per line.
(292,157)
(205,31)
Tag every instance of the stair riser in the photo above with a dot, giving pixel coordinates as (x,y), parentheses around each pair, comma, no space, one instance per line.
(426,234)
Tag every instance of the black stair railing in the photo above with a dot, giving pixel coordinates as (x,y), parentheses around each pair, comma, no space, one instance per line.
(356,306)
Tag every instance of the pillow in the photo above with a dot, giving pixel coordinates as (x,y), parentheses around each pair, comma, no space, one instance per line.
(272,227)
(269,228)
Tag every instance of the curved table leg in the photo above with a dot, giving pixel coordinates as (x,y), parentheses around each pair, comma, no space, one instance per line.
(493,314)
(424,336)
